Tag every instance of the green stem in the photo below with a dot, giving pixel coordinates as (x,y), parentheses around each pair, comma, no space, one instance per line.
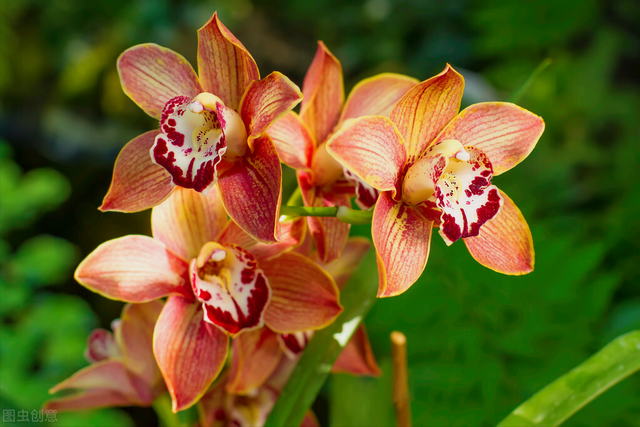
(525,86)
(314,366)
(343,213)
(162,406)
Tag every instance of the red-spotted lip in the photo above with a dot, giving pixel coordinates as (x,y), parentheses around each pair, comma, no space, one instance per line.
(190,144)
(233,291)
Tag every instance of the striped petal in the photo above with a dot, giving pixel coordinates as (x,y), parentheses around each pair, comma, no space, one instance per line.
(402,238)
(292,232)
(232,290)
(151,75)
(137,182)
(190,352)
(323,91)
(504,132)
(372,149)
(304,296)
(293,141)
(134,269)
(188,220)
(426,109)
(266,100)
(504,243)
(135,337)
(255,356)
(251,190)
(376,95)
(357,357)
(106,375)
(343,267)
(90,399)
(225,66)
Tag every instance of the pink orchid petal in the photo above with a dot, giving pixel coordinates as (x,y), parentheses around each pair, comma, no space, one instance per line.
(225,66)
(251,191)
(190,352)
(105,375)
(504,132)
(292,232)
(343,267)
(303,295)
(90,399)
(232,290)
(137,182)
(372,148)
(504,243)
(151,75)
(188,220)
(256,355)
(426,109)
(293,141)
(401,237)
(357,357)
(101,345)
(135,336)
(266,100)
(329,234)
(376,95)
(323,91)
(134,269)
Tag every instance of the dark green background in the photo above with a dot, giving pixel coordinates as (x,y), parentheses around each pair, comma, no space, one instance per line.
(479,343)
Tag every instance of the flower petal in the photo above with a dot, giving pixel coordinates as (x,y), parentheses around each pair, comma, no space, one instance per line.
(323,91)
(303,295)
(255,356)
(190,352)
(505,132)
(504,243)
(134,269)
(343,267)
(188,220)
(293,141)
(212,406)
(372,148)
(233,291)
(266,100)
(90,399)
(329,234)
(293,344)
(105,375)
(426,109)
(225,66)
(376,95)
(137,182)
(135,336)
(251,191)
(357,357)
(401,237)
(151,75)
(292,232)
(100,346)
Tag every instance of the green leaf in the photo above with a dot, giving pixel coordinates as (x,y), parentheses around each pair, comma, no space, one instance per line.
(565,396)
(43,260)
(322,351)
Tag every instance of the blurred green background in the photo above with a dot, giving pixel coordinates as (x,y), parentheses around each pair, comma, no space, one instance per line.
(479,343)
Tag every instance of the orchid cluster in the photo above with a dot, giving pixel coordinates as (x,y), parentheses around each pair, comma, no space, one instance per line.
(224,296)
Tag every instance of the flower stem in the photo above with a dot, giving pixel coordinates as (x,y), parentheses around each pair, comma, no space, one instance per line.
(400,379)
(343,213)
(525,86)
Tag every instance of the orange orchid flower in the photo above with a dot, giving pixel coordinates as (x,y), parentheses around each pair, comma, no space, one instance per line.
(300,141)
(123,371)
(219,281)
(212,130)
(433,167)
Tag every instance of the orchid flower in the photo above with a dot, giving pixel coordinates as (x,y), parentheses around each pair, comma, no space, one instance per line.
(123,371)
(300,141)
(212,130)
(433,167)
(219,281)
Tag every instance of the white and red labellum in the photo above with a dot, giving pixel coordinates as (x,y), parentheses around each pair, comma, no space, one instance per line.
(234,292)
(456,181)
(293,344)
(366,195)
(101,345)
(194,136)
